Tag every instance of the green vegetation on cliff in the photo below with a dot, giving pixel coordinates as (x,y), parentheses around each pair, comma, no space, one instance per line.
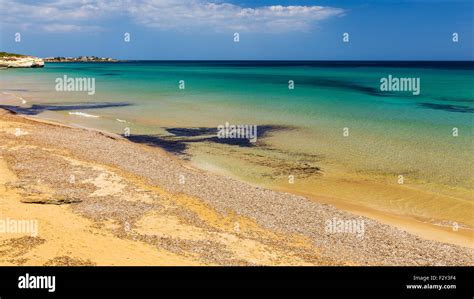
(5,54)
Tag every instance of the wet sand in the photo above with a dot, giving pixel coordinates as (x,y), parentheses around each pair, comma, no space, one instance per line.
(100,199)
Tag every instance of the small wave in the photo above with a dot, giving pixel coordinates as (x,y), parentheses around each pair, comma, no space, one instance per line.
(120,120)
(23,101)
(83,114)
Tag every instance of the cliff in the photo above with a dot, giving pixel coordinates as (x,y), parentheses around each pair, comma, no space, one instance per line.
(10,60)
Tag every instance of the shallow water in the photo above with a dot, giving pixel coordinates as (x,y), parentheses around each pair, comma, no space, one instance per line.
(390,133)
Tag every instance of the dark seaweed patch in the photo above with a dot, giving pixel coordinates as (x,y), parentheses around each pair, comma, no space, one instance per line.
(188,132)
(178,142)
(461,100)
(37,109)
(177,147)
(449,108)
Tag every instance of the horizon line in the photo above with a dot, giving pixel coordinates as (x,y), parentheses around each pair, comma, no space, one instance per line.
(254,60)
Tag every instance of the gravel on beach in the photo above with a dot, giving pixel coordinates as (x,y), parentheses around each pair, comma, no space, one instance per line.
(282,213)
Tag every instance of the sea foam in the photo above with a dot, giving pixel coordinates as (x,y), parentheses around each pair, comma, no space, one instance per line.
(83,114)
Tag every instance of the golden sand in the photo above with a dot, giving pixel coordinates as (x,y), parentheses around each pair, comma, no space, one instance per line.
(429,211)
(65,234)
(122,216)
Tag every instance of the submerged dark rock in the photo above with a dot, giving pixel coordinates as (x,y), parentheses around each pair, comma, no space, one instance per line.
(449,108)
(177,143)
(36,109)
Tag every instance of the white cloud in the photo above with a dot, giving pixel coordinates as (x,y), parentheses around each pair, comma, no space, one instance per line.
(55,16)
(184,15)
(224,16)
(59,28)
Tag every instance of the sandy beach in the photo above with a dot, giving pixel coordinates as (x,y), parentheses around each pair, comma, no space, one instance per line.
(102,200)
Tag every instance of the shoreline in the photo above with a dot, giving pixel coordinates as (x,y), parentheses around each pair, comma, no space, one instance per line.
(417,225)
(422,227)
(127,243)
(425,230)
(269,213)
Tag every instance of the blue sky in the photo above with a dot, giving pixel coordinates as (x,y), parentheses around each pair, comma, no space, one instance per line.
(204,29)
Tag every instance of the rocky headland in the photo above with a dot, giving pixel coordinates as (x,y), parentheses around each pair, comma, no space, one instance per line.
(10,60)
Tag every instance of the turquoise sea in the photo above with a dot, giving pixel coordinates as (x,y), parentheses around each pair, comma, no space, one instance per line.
(389,133)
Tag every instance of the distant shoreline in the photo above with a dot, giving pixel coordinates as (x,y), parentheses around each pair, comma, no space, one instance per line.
(461,65)
(80,59)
